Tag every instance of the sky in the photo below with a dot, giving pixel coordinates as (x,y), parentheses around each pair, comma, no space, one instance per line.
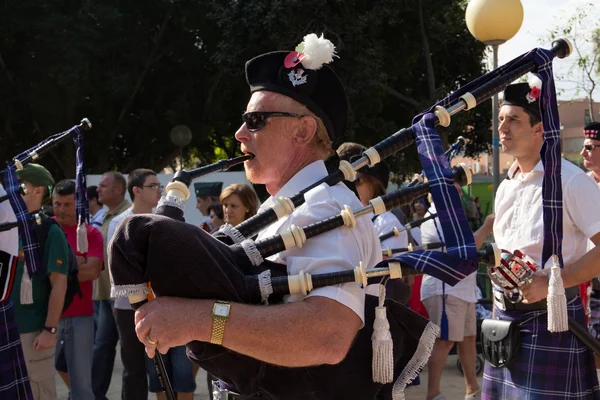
(540,17)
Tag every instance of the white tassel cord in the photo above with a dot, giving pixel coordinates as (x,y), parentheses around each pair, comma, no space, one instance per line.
(82,242)
(558,318)
(418,360)
(26,287)
(383,346)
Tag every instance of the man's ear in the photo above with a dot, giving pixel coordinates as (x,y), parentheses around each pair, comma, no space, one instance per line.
(136,191)
(305,131)
(538,130)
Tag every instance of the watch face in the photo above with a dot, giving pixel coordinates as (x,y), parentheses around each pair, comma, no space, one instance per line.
(221,310)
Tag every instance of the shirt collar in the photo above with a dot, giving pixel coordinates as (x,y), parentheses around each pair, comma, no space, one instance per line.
(119,209)
(303,178)
(514,169)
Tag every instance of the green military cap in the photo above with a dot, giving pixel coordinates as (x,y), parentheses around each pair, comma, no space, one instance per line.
(208,189)
(35,174)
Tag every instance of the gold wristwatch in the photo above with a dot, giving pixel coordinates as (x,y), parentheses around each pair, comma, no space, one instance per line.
(219,317)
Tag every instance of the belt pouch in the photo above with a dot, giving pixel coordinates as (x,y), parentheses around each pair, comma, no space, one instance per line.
(500,341)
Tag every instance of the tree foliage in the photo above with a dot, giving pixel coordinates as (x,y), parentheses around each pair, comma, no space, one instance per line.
(583,31)
(136,69)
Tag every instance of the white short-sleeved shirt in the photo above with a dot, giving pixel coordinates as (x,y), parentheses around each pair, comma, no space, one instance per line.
(519,221)
(416,234)
(385,223)
(121,303)
(465,290)
(337,250)
(96,219)
(9,240)
(591,244)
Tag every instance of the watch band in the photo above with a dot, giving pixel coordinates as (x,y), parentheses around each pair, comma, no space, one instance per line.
(51,329)
(218,325)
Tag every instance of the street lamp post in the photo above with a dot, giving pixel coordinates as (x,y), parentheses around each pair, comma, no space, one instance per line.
(493,22)
(181,136)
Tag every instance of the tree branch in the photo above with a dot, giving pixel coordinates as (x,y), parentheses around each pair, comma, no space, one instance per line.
(399,95)
(149,61)
(427,54)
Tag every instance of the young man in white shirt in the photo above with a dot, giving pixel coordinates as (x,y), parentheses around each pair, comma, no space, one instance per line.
(545,362)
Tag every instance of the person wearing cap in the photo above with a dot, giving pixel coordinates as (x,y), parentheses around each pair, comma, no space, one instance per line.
(591,162)
(298,107)
(207,193)
(372,182)
(547,365)
(589,150)
(39,299)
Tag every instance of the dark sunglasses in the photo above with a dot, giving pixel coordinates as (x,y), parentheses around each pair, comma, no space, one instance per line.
(590,147)
(256,120)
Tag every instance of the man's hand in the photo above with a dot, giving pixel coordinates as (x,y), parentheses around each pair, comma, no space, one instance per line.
(44,340)
(80,260)
(538,289)
(165,321)
(488,223)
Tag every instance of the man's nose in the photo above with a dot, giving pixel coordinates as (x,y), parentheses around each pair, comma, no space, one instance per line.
(242,134)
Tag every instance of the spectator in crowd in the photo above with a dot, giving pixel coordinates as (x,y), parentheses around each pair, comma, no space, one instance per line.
(452,308)
(75,342)
(38,300)
(145,190)
(240,202)
(472,213)
(97,210)
(111,193)
(207,193)
(215,212)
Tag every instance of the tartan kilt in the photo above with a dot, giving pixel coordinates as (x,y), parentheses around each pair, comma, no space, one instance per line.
(548,365)
(14,381)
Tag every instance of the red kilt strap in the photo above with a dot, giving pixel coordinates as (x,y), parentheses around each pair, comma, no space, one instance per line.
(8,268)
(182,260)
(584,293)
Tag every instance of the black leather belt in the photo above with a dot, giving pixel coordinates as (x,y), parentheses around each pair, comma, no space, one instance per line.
(571,293)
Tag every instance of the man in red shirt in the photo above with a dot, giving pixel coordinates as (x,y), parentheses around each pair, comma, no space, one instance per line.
(75,342)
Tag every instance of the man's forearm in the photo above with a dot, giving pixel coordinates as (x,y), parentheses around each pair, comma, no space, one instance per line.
(56,301)
(315,331)
(87,273)
(584,269)
(481,233)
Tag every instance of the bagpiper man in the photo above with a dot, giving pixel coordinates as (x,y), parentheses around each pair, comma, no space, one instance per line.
(544,365)
(298,107)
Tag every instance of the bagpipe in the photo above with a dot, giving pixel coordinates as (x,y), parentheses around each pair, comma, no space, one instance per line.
(181,260)
(11,352)
(407,227)
(14,190)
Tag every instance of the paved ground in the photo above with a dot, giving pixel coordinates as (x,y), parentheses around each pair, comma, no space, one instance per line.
(452,384)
